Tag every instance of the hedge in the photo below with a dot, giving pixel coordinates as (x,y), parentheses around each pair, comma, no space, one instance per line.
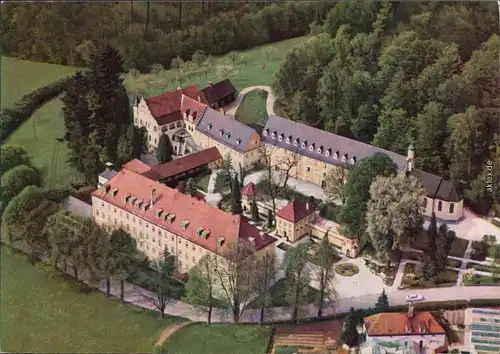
(56,195)
(13,117)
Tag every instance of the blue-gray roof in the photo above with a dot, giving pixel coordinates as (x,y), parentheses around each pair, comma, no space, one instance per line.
(225,130)
(108,174)
(319,144)
(331,148)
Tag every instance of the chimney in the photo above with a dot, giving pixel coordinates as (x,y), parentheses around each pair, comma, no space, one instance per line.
(199,98)
(410,310)
(109,166)
(410,159)
(153,196)
(307,206)
(210,84)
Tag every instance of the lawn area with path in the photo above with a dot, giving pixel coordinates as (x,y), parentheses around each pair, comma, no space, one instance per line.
(219,339)
(40,312)
(38,134)
(252,109)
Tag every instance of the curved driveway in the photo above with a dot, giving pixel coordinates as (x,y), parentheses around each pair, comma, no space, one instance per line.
(230,109)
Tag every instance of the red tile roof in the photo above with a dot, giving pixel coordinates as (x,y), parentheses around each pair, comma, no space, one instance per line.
(248,190)
(398,324)
(169,118)
(295,210)
(136,165)
(185,208)
(170,102)
(189,105)
(186,163)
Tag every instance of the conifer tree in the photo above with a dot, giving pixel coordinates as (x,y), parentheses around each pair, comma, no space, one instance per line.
(254,210)
(236,207)
(382,304)
(350,333)
(164,151)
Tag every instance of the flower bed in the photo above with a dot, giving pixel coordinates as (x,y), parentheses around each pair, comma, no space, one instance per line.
(347,269)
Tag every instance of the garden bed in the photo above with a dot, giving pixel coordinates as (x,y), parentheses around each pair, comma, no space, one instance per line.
(446,279)
(457,248)
(347,269)
(483,268)
(482,280)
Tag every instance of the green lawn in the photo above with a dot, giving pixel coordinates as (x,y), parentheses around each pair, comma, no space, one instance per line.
(41,312)
(278,292)
(219,339)
(38,134)
(253,109)
(242,76)
(20,77)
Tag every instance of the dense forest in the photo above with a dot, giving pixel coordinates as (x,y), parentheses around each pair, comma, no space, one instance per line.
(149,32)
(391,74)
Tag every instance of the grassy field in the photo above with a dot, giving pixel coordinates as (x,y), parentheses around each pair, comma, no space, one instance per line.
(42,313)
(241,77)
(20,77)
(253,109)
(38,134)
(219,339)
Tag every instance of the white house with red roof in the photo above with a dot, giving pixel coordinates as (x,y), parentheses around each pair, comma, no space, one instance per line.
(403,332)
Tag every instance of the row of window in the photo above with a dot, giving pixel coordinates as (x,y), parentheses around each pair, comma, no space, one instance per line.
(451,208)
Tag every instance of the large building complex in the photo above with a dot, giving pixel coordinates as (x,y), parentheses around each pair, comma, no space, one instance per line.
(318,152)
(192,125)
(158,216)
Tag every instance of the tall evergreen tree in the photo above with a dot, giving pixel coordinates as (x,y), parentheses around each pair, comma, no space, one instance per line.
(76,114)
(382,304)
(236,207)
(350,333)
(429,262)
(164,151)
(108,101)
(254,210)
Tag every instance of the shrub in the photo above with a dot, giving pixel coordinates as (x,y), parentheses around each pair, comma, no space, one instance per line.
(13,117)
(56,195)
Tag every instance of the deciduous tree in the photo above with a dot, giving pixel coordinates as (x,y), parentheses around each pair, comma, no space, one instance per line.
(335,183)
(12,156)
(161,282)
(267,276)
(324,271)
(237,274)
(16,179)
(394,213)
(200,287)
(297,278)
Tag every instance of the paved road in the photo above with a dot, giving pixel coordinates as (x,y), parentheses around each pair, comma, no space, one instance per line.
(136,296)
(230,110)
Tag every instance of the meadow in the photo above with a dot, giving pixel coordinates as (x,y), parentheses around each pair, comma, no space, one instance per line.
(42,312)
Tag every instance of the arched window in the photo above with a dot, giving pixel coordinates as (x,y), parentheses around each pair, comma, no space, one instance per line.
(452,208)
(425,203)
(440,205)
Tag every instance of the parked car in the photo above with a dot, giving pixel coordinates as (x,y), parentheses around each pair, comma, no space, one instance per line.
(414,297)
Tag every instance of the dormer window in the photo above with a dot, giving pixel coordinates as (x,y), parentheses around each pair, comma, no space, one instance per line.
(238,141)
(266,132)
(311,148)
(304,145)
(209,126)
(289,139)
(336,155)
(352,161)
(159,212)
(199,230)
(328,152)
(184,224)
(114,192)
(170,218)
(296,142)
(228,135)
(273,135)
(280,138)
(344,158)
(320,150)
(221,132)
